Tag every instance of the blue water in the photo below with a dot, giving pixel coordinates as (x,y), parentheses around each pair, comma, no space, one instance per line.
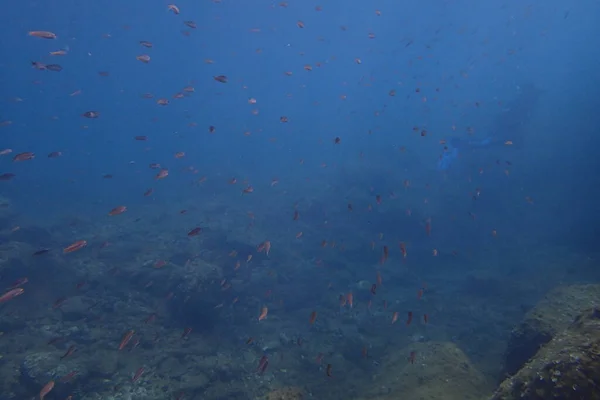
(466,132)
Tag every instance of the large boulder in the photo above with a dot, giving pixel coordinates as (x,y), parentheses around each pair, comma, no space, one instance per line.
(440,371)
(550,316)
(568,367)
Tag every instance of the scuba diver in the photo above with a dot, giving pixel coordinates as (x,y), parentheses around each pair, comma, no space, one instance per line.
(457,144)
(510,125)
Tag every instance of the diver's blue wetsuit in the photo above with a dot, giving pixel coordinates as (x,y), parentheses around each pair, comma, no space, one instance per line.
(449,156)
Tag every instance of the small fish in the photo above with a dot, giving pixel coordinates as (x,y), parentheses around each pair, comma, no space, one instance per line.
(137,374)
(11,294)
(186,333)
(313,317)
(195,231)
(350,299)
(55,340)
(117,210)
(412,357)
(7,176)
(75,246)
(54,67)
(145,58)
(46,389)
(220,78)
(70,351)
(91,114)
(43,34)
(69,376)
(126,338)
(151,318)
(28,155)
(264,247)
(19,282)
(262,365)
(263,313)
(59,302)
(163,173)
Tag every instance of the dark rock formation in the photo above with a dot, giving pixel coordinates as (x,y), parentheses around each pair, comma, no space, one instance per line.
(550,316)
(567,367)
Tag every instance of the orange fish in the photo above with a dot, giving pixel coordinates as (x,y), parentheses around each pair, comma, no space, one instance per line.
(163,173)
(117,210)
(412,357)
(126,338)
(385,255)
(43,35)
(403,249)
(263,313)
(350,299)
(394,317)
(264,247)
(24,156)
(313,317)
(46,389)
(75,246)
(11,294)
(428,226)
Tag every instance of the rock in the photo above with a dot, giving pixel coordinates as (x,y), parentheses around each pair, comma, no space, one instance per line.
(76,308)
(551,315)
(286,393)
(568,367)
(441,371)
